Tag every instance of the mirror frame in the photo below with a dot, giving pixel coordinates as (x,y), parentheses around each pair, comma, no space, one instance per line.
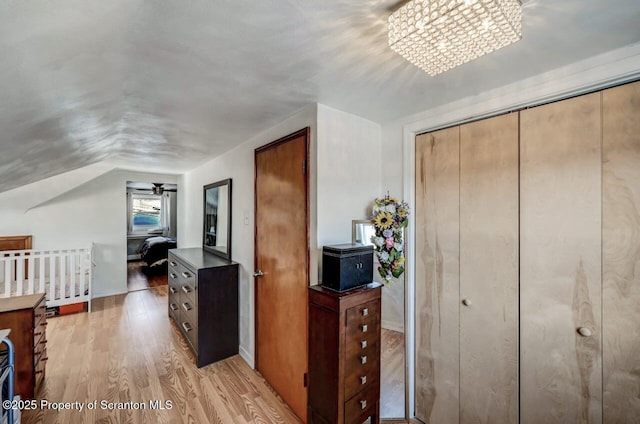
(226,254)
(354,224)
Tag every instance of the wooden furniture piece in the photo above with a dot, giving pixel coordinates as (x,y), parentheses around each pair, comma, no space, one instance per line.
(344,355)
(203,302)
(15,242)
(25,317)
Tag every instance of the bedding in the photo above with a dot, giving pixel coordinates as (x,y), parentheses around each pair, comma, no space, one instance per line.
(75,291)
(154,250)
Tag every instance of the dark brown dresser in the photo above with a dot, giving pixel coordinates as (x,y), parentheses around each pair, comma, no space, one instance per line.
(25,316)
(203,302)
(344,355)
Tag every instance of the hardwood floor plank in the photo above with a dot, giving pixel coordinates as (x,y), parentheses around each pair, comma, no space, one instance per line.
(127,350)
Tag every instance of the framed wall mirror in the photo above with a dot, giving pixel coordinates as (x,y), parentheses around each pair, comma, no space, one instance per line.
(216,237)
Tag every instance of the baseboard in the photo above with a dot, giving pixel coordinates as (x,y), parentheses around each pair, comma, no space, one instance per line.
(393,326)
(95,295)
(248,358)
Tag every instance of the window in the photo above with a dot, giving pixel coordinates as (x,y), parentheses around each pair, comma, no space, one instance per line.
(145,213)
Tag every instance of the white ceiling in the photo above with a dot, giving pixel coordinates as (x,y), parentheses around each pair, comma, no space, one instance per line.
(166,85)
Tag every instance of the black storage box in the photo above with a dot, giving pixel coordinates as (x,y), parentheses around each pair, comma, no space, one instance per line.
(345,266)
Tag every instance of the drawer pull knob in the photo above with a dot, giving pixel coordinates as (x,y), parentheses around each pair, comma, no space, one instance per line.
(173,307)
(187,327)
(363,404)
(173,275)
(186,306)
(173,290)
(365,312)
(363,359)
(37,334)
(186,289)
(172,263)
(46,358)
(39,372)
(186,274)
(363,379)
(365,327)
(363,344)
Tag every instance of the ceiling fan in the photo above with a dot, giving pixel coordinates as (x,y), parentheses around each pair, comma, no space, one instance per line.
(155,188)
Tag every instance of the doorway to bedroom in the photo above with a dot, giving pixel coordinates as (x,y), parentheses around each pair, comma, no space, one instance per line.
(151,232)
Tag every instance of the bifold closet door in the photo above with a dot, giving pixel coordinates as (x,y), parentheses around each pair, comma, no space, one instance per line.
(437,276)
(467,257)
(560,260)
(621,253)
(489,271)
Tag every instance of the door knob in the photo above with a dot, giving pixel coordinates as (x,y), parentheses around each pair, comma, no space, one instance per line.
(466,302)
(258,273)
(584,332)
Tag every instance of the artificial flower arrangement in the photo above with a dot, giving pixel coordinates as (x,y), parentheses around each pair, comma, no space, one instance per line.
(390,218)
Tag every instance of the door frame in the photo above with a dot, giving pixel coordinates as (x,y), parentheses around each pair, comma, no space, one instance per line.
(306,133)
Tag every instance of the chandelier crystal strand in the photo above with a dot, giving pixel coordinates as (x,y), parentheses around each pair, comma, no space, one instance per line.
(437,35)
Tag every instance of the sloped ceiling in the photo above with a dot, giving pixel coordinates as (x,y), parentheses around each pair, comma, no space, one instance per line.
(166,85)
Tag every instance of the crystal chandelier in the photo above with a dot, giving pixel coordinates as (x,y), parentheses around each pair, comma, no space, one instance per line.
(437,35)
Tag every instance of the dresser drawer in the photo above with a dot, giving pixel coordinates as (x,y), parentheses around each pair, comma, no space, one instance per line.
(39,332)
(361,369)
(361,406)
(40,366)
(365,314)
(39,313)
(189,328)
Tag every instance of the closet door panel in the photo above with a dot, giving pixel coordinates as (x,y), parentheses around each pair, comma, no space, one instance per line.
(437,276)
(489,270)
(561,283)
(621,253)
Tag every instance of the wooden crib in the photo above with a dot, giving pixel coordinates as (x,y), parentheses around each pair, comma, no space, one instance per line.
(64,275)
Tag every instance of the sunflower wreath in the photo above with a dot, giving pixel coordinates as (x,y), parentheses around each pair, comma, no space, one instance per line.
(390,218)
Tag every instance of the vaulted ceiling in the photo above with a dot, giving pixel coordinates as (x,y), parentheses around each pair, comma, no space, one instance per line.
(166,85)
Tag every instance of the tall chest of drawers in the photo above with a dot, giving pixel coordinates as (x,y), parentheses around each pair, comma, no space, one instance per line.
(25,316)
(344,355)
(203,302)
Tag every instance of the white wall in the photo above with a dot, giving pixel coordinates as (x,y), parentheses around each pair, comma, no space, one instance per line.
(348,173)
(93,212)
(238,164)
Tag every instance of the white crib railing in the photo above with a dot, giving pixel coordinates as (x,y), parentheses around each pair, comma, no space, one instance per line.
(64,275)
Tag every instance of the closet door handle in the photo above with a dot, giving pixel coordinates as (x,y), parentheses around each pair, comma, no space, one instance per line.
(584,332)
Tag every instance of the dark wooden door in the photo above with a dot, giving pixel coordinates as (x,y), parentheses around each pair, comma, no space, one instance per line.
(282,257)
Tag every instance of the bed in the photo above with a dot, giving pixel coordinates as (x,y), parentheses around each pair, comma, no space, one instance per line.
(65,276)
(155,250)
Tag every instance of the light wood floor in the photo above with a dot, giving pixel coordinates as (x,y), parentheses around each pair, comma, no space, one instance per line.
(127,350)
(392,374)
(141,277)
